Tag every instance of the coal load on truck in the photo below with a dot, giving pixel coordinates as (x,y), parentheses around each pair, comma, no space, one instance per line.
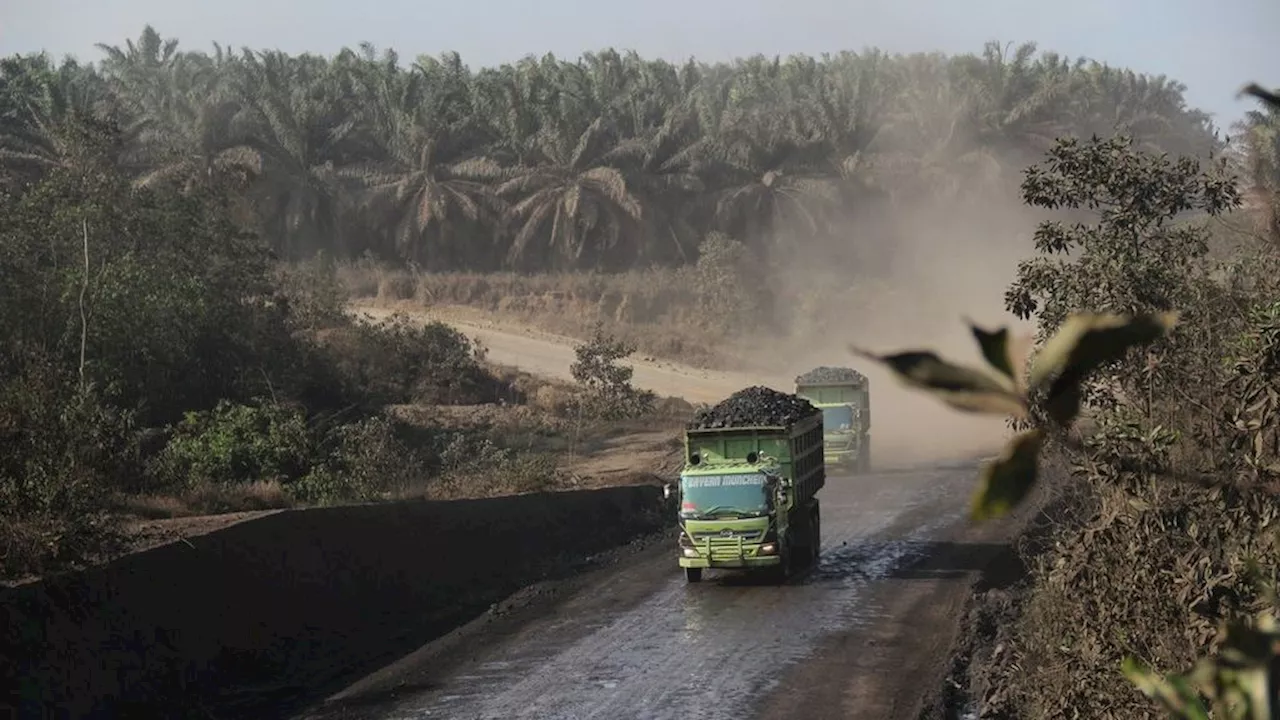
(831,376)
(757,406)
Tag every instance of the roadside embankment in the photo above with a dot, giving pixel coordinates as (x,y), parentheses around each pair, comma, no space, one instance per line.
(266,614)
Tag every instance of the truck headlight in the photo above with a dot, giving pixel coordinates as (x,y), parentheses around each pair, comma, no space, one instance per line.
(768,549)
(689,552)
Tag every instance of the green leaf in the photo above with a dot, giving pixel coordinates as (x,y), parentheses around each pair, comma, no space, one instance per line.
(1005,481)
(1174,693)
(1088,340)
(1237,681)
(963,388)
(995,348)
(1084,343)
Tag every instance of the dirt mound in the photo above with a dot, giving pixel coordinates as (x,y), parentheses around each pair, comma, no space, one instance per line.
(272,612)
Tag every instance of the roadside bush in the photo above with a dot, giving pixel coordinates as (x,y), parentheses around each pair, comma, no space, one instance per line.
(366,461)
(400,361)
(121,308)
(605,391)
(467,463)
(173,304)
(315,295)
(728,283)
(1159,554)
(235,443)
(657,309)
(152,348)
(1165,558)
(65,449)
(240,445)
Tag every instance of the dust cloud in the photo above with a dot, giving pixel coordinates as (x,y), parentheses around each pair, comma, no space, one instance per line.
(931,269)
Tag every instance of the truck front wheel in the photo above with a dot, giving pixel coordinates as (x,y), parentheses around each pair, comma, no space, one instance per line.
(693,575)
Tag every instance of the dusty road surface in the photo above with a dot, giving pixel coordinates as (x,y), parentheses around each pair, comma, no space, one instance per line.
(863,635)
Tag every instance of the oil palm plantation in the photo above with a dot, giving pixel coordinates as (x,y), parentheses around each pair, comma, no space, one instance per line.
(600,162)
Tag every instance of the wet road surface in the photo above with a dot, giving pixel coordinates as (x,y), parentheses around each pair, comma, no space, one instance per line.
(638,642)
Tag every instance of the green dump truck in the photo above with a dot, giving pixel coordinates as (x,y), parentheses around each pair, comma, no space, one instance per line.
(844,398)
(747,492)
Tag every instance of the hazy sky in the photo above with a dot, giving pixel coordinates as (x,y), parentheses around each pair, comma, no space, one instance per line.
(1213,47)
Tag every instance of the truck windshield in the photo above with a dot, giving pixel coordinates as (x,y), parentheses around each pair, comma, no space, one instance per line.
(837,418)
(710,496)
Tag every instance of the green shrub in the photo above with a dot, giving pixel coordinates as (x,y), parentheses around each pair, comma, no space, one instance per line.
(367,461)
(66,450)
(236,443)
(316,296)
(400,361)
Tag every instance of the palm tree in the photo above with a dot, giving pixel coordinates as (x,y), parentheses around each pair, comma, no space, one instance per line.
(435,188)
(604,161)
(513,102)
(661,168)
(1151,109)
(297,128)
(190,138)
(929,147)
(766,176)
(1017,103)
(52,117)
(139,73)
(580,206)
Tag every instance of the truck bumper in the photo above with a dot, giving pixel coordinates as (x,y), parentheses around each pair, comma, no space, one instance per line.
(844,458)
(730,563)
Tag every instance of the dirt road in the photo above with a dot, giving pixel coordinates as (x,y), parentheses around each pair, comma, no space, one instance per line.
(908,428)
(861,635)
(551,356)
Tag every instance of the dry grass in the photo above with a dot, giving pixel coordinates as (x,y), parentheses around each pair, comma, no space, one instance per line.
(658,310)
(208,499)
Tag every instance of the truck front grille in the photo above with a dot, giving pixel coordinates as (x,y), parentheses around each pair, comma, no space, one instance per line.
(724,546)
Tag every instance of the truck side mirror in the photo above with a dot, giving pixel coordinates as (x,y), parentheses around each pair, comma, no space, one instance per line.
(787,483)
(668,490)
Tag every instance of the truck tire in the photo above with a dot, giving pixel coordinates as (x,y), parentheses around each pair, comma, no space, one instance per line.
(815,534)
(864,457)
(693,575)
